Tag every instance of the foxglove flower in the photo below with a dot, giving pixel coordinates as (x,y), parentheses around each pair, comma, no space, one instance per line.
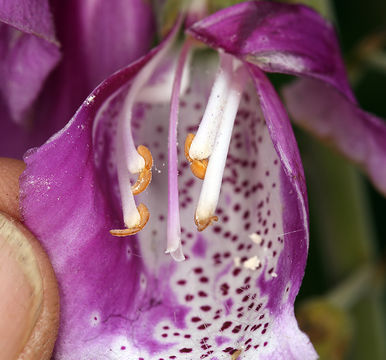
(48,67)
(245,248)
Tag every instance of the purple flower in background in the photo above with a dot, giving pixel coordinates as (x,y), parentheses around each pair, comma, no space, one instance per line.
(29,52)
(233,296)
(53,53)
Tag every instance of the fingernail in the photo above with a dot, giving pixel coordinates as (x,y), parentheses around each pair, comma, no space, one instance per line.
(21,289)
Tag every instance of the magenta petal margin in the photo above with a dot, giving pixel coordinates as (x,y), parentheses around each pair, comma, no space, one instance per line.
(272,36)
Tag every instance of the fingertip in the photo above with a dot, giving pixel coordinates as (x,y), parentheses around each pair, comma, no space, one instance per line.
(10,171)
(30,294)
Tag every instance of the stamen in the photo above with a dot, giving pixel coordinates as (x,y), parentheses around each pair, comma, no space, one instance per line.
(127,158)
(173,223)
(211,186)
(144,217)
(202,144)
(145,175)
(198,167)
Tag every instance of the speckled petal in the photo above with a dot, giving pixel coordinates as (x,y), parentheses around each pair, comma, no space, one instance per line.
(277,37)
(358,135)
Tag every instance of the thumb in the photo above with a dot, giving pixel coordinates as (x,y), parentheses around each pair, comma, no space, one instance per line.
(29,301)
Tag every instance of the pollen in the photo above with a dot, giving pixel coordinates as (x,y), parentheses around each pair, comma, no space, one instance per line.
(144,214)
(252,263)
(236,354)
(145,175)
(202,224)
(198,167)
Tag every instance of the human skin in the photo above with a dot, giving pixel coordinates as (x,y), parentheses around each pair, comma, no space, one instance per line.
(29,302)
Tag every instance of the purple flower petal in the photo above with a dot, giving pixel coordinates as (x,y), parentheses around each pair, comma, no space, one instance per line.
(358,135)
(26,61)
(89,56)
(30,17)
(29,52)
(277,37)
(126,299)
(103,38)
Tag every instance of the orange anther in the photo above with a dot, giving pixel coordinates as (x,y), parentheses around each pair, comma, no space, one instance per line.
(142,182)
(198,167)
(144,214)
(204,223)
(146,154)
(144,177)
(188,143)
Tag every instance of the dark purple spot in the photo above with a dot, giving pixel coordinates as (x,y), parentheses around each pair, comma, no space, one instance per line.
(205,308)
(226,325)
(203,326)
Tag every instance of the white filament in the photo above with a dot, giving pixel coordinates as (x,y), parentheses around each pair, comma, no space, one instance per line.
(127,158)
(203,142)
(211,186)
(131,216)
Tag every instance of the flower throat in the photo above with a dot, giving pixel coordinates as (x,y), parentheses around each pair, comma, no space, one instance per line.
(206,151)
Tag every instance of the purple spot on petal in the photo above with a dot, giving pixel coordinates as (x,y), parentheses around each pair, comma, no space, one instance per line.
(199,247)
(228,306)
(221,340)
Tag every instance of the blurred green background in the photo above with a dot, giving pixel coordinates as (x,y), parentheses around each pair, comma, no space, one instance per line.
(341,304)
